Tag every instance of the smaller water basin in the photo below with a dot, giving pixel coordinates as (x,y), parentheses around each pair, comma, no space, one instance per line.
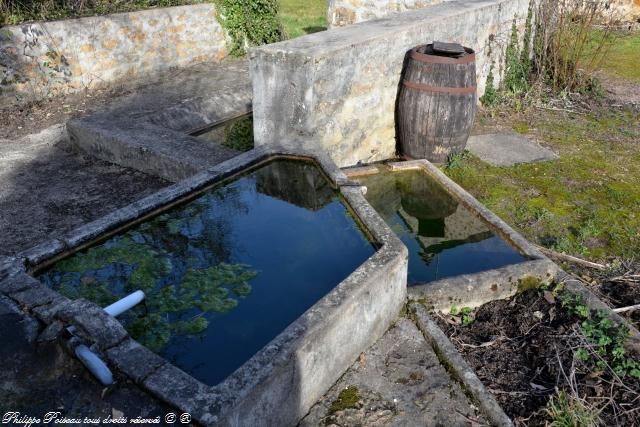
(444,238)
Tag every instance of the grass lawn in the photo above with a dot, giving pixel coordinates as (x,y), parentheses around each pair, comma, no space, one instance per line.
(301,17)
(623,58)
(587,202)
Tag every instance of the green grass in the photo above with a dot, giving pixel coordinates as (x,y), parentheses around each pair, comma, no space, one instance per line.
(623,58)
(301,17)
(587,202)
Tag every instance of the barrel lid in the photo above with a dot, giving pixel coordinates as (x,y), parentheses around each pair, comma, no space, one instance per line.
(448,49)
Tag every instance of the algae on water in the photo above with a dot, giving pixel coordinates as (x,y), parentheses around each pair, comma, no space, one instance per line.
(178,291)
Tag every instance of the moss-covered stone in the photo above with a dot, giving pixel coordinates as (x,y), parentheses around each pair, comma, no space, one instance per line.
(348,398)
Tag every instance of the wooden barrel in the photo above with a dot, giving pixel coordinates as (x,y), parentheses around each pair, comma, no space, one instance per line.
(437,103)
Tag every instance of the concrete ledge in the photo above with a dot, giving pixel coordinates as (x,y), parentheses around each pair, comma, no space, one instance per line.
(150,130)
(474,290)
(459,368)
(145,147)
(279,384)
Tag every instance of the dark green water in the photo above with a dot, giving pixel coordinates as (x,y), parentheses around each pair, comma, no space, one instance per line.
(236,134)
(227,272)
(443,237)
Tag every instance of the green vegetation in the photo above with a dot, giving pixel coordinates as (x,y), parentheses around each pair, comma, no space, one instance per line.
(174,305)
(604,340)
(249,23)
(466,314)
(566,410)
(623,57)
(456,160)
(301,17)
(585,203)
(239,135)
(348,398)
(528,282)
(562,54)
(17,11)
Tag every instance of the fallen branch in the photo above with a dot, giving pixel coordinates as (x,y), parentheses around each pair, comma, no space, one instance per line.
(570,258)
(627,278)
(628,308)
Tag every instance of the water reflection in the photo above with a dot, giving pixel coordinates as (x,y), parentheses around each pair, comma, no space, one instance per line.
(444,238)
(226,272)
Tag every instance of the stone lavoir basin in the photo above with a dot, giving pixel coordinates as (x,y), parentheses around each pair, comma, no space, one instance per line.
(444,237)
(227,271)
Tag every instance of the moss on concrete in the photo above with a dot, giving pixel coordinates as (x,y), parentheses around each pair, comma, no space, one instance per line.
(348,398)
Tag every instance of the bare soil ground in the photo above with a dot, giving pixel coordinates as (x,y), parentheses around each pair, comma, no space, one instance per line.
(35,116)
(523,350)
(619,287)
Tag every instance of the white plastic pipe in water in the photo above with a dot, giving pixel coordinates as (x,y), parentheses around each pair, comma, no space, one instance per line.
(94,364)
(124,304)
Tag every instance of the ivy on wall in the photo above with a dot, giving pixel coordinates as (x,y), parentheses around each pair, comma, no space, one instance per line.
(249,23)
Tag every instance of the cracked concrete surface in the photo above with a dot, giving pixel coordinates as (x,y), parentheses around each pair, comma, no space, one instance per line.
(400,382)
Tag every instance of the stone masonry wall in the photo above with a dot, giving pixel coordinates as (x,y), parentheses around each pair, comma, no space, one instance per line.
(42,58)
(336,90)
(347,12)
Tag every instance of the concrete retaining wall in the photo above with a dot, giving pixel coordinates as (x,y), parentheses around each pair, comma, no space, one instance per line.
(44,58)
(347,12)
(336,90)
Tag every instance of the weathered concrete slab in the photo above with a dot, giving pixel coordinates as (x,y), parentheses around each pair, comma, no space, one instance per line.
(507,149)
(400,382)
(150,131)
(47,188)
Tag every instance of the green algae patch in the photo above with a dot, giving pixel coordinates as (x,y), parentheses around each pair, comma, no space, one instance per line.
(348,398)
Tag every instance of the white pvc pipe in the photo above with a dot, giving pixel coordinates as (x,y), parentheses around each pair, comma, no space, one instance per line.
(91,360)
(124,304)
(93,363)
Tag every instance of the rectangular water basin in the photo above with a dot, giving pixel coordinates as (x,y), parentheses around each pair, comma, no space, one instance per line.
(266,276)
(444,238)
(227,271)
(460,253)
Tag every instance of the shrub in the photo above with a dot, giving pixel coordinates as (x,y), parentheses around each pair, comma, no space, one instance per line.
(250,23)
(564,43)
(567,46)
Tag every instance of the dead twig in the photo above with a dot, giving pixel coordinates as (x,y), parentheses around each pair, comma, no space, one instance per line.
(570,258)
(625,309)
(626,278)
